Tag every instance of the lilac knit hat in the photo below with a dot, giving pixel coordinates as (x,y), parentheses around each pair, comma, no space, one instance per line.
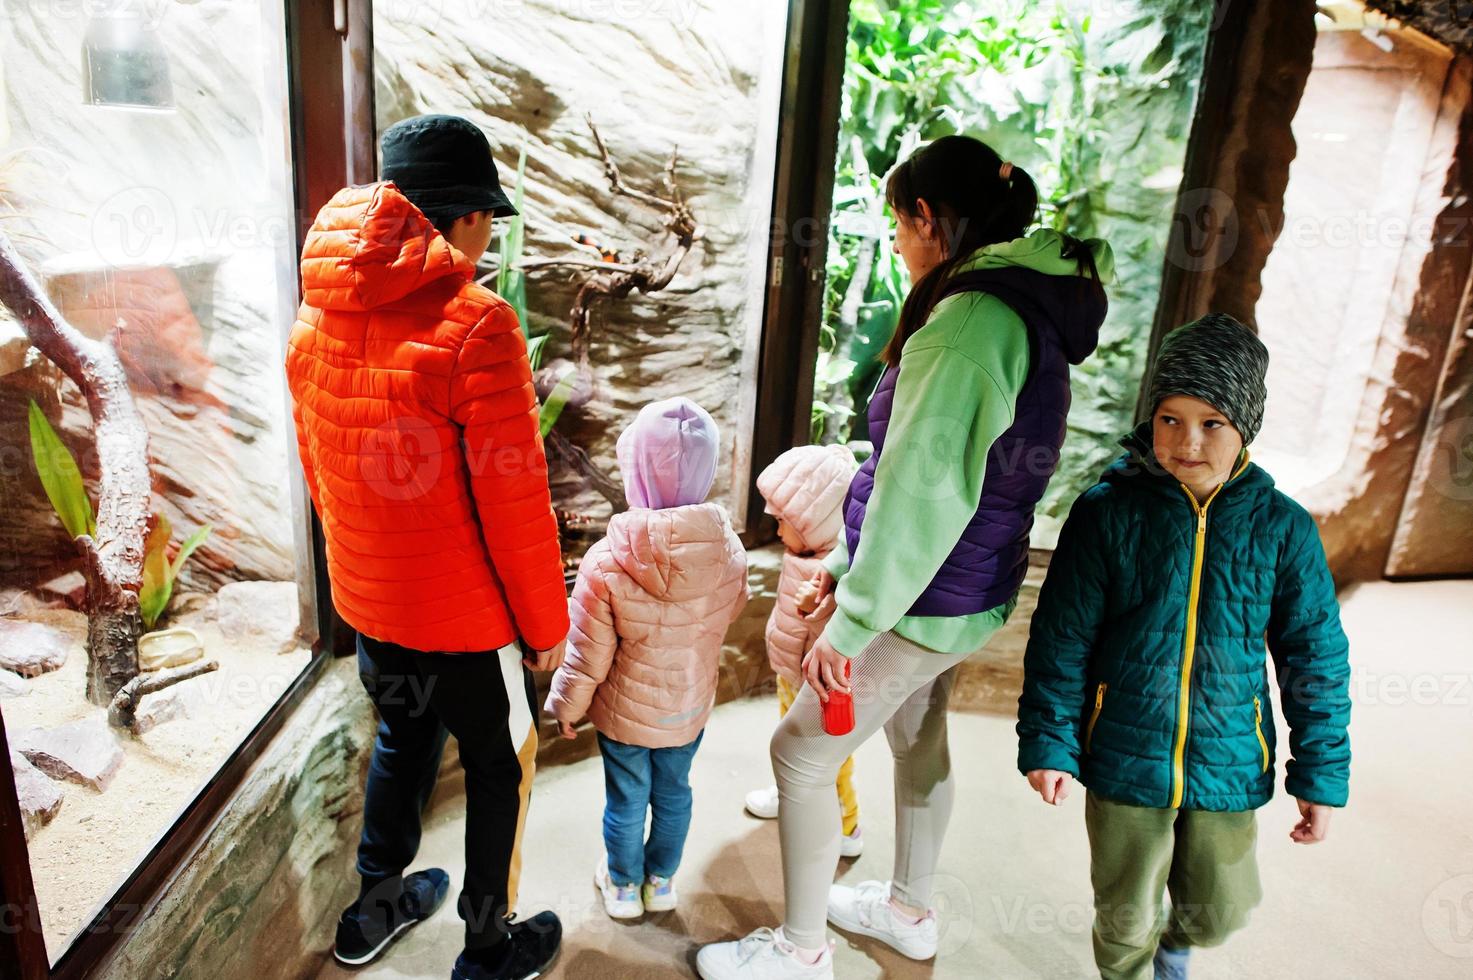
(668,455)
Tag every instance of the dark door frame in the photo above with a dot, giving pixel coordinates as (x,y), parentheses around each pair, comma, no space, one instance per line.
(807,141)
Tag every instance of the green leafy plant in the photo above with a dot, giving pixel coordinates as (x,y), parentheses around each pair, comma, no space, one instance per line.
(557,399)
(511,283)
(833,374)
(1094,103)
(62,480)
(60,477)
(159,572)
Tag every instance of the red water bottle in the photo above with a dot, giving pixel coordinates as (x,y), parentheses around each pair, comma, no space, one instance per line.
(838,710)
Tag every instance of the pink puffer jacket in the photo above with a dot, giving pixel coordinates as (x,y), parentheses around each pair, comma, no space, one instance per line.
(804,488)
(653,601)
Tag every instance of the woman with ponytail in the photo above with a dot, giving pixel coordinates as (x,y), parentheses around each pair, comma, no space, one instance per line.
(967,423)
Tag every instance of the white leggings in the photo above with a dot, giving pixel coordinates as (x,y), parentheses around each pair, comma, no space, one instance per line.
(905,688)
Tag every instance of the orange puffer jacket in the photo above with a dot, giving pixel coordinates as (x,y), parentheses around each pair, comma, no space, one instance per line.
(417,427)
(653,601)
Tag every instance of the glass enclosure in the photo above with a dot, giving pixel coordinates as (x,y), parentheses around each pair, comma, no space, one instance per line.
(631,294)
(145,185)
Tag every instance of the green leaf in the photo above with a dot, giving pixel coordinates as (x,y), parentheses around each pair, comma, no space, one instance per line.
(511,283)
(534,350)
(557,399)
(158,584)
(60,477)
(186,549)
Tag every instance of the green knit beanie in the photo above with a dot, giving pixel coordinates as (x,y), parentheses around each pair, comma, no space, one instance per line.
(1220,361)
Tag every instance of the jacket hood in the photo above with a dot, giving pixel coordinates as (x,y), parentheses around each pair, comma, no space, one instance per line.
(1032,276)
(1137,466)
(675,553)
(805,488)
(370,246)
(667,455)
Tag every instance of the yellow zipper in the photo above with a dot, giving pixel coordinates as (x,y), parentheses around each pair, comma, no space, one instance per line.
(1184,700)
(1089,732)
(1258,729)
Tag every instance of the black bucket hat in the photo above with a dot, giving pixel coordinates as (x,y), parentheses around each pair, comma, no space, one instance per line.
(443,165)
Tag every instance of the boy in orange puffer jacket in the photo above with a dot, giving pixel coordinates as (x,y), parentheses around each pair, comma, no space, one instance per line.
(804,489)
(417,427)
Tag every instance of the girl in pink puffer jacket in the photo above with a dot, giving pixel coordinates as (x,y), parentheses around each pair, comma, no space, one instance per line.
(649,612)
(804,489)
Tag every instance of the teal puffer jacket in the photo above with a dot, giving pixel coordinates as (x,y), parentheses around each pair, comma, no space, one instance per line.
(1146,675)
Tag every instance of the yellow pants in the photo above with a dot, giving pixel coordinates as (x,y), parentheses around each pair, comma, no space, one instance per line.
(848,802)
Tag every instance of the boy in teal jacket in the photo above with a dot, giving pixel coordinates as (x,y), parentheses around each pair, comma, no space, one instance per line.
(1146,676)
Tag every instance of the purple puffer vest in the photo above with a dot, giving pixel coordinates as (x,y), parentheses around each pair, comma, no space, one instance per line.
(1062,315)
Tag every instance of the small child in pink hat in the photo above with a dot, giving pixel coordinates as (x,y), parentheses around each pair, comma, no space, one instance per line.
(804,489)
(649,612)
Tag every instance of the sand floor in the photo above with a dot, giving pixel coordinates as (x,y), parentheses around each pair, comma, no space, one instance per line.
(96,839)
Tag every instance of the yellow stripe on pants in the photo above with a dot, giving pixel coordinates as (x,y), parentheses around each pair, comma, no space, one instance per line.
(848,799)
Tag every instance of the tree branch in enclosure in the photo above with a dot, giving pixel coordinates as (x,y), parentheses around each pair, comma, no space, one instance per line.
(616,280)
(112,559)
(124,706)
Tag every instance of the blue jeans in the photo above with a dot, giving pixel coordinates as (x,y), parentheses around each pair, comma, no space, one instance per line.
(637,780)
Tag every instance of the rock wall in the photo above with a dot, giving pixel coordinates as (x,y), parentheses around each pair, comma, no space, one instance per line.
(654,77)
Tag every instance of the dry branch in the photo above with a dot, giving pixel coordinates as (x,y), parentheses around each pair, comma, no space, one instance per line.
(124,705)
(112,560)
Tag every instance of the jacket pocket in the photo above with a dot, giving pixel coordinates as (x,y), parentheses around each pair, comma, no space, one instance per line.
(1094,716)
(1258,730)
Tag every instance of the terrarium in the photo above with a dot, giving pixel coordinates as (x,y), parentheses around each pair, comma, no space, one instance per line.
(155,561)
(639,263)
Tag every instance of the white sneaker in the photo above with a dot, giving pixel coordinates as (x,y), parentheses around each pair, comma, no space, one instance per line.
(866,910)
(763,803)
(620,901)
(659,894)
(852,845)
(763,955)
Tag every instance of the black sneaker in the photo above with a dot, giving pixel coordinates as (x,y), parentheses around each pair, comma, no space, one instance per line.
(369,925)
(528,951)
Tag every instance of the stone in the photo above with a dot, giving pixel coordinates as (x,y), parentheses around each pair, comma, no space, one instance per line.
(31,649)
(84,752)
(67,591)
(40,798)
(265,611)
(14,344)
(158,708)
(12,686)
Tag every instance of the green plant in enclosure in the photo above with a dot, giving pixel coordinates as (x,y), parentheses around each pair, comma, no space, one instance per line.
(511,282)
(159,573)
(61,478)
(557,399)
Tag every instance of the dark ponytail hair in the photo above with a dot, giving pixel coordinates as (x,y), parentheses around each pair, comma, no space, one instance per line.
(974,205)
